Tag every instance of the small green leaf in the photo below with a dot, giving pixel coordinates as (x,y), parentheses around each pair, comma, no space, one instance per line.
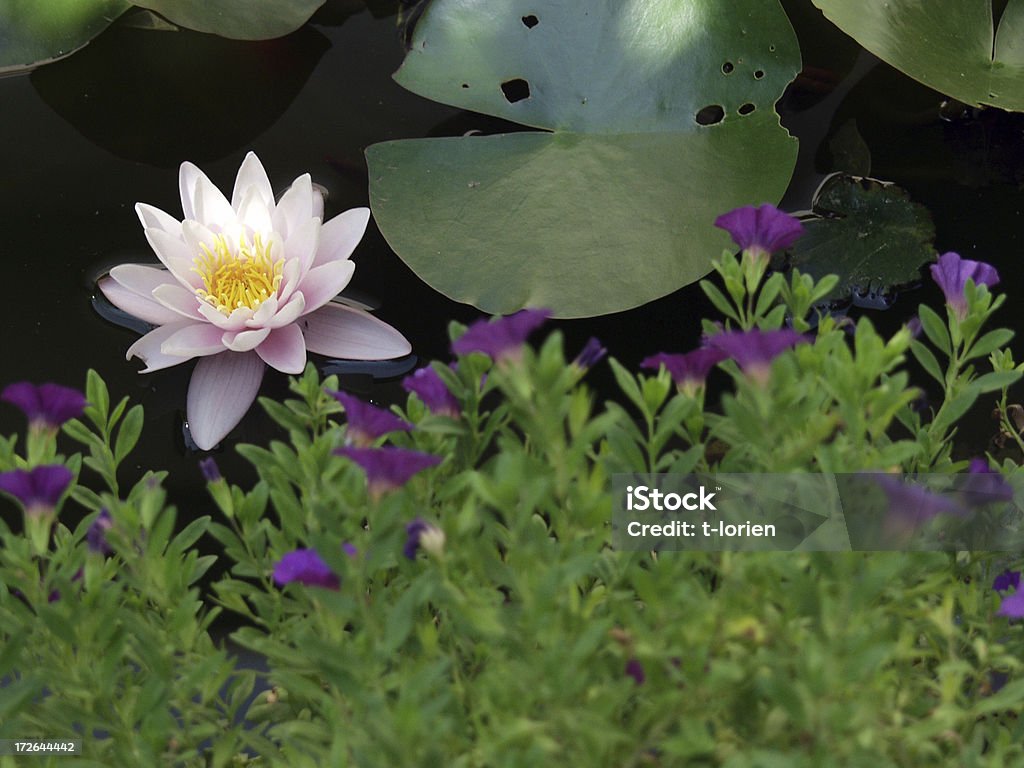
(989,343)
(128,433)
(927,360)
(237,19)
(935,329)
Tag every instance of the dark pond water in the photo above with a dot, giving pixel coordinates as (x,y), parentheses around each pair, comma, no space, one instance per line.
(84,139)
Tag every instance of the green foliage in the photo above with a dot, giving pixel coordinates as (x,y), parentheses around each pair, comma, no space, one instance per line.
(622,167)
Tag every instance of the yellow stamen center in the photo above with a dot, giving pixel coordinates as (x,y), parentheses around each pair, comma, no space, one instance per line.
(234,280)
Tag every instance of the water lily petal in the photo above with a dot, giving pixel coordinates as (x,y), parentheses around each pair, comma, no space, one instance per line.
(245,341)
(289,313)
(323,283)
(178,299)
(135,304)
(295,206)
(340,236)
(253,212)
(301,245)
(263,313)
(153,218)
(194,340)
(148,348)
(220,392)
(339,331)
(188,177)
(251,176)
(234,322)
(284,349)
(290,276)
(211,207)
(318,203)
(175,254)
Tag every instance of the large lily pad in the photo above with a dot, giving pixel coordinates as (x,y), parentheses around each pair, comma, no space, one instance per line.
(33,32)
(658,116)
(952,46)
(868,233)
(237,19)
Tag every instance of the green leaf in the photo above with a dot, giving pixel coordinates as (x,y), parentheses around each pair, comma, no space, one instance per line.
(128,434)
(33,32)
(989,343)
(621,171)
(868,233)
(237,19)
(948,46)
(934,328)
(990,382)
(928,362)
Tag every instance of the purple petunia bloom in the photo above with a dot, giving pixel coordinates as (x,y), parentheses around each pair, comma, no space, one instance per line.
(591,354)
(760,231)
(1006,580)
(434,393)
(911,506)
(389,467)
(349,549)
(306,567)
(754,350)
(635,670)
(952,273)
(420,533)
(38,489)
(1012,606)
(45,405)
(96,537)
(689,371)
(210,470)
(503,338)
(367,422)
(982,484)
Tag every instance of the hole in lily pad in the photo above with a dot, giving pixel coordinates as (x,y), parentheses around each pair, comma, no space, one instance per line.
(758,74)
(746,109)
(709,115)
(465,85)
(727,67)
(530,21)
(515,90)
(771,48)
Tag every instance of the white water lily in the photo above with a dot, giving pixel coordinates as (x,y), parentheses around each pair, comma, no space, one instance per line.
(247,283)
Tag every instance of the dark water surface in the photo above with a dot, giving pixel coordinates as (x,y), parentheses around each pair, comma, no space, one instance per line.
(83,140)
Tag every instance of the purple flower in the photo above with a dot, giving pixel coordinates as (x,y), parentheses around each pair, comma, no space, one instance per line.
(591,354)
(760,231)
(1006,580)
(38,489)
(1012,606)
(45,405)
(434,393)
(349,549)
(982,484)
(952,273)
(754,350)
(420,533)
(503,338)
(367,422)
(306,567)
(911,506)
(96,537)
(210,470)
(690,370)
(914,326)
(635,670)
(389,467)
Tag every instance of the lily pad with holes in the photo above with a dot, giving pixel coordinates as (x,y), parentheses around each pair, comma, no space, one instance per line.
(953,46)
(237,19)
(868,233)
(654,116)
(33,32)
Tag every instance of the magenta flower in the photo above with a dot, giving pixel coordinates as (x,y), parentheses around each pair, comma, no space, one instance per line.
(952,273)
(502,338)
(247,283)
(389,467)
(591,354)
(367,422)
(96,537)
(754,350)
(1006,581)
(306,567)
(635,670)
(38,489)
(760,231)
(689,371)
(349,549)
(434,393)
(425,535)
(1012,606)
(46,406)
(210,470)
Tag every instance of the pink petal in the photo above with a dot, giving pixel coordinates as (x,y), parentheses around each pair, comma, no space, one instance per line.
(284,350)
(148,348)
(295,206)
(323,283)
(251,175)
(253,212)
(234,322)
(212,208)
(289,313)
(290,276)
(194,340)
(188,178)
(264,313)
(339,331)
(178,299)
(142,279)
(318,202)
(136,304)
(340,236)
(175,255)
(245,340)
(301,245)
(220,392)
(154,218)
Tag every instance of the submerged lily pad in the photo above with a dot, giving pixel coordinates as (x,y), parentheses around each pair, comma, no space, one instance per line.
(33,32)
(868,233)
(658,116)
(952,46)
(237,19)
